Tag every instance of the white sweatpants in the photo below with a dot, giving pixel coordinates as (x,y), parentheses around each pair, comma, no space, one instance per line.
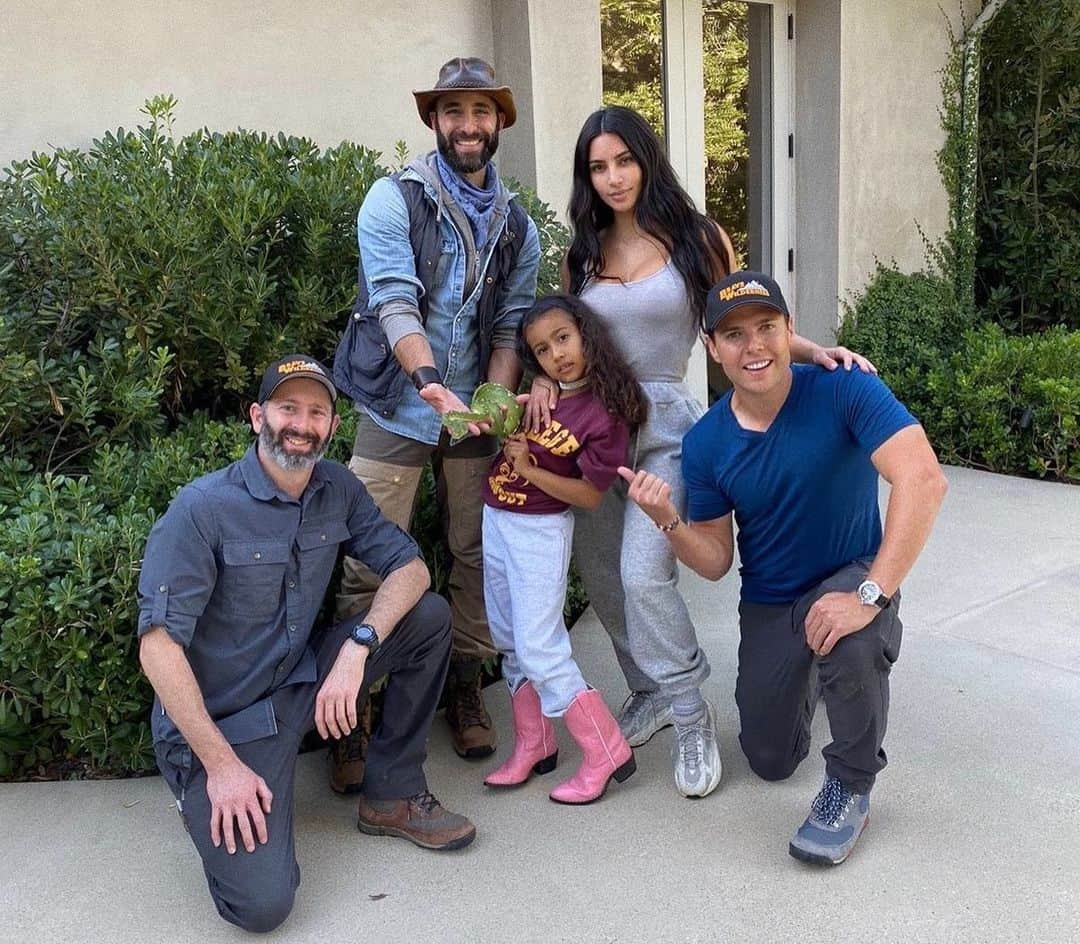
(526,558)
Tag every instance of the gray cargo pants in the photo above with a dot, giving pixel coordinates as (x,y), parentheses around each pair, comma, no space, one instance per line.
(255,890)
(776,701)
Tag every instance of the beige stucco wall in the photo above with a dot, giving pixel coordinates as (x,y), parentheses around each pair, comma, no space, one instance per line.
(327,69)
(549,53)
(337,69)
(567,87)
(891,55)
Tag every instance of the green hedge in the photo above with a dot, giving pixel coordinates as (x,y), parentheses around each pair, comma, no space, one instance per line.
(143,284)
(905,324)
(149,277)
(989,400)
(69,563)
(1010,403)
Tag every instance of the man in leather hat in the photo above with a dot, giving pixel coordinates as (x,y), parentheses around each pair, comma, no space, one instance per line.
(448,264)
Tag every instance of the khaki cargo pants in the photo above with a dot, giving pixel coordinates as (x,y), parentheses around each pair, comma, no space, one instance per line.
(391,466)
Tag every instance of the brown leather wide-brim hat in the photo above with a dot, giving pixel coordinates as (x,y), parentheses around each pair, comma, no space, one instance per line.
(467,75)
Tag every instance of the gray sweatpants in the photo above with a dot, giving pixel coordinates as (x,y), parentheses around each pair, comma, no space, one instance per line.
(628,568)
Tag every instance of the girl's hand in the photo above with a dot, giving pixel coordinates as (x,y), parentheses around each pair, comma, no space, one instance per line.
(831,357)
(516,450)
(543,398)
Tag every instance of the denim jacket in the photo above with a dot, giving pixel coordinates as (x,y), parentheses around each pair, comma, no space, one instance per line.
(452,324)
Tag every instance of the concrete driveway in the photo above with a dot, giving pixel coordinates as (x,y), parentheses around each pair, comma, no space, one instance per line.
(975,834)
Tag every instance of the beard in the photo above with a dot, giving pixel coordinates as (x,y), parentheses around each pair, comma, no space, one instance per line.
(272,444)
(471,163)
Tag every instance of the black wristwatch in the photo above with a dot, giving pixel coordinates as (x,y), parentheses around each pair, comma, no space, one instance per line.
(423,376)
(363,634)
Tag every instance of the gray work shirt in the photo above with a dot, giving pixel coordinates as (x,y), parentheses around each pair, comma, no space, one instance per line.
(236,571)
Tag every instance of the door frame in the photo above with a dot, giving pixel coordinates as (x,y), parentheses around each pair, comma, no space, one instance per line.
(684,126)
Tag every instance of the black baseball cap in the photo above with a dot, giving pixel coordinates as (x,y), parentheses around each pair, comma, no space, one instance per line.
(738,289)
(294,365)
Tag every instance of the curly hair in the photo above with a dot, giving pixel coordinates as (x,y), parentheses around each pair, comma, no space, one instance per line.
(663,210)
(610,378)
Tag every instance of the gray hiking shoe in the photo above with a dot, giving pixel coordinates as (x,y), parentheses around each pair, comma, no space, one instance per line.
(837,819)
(642,715)
(696,756)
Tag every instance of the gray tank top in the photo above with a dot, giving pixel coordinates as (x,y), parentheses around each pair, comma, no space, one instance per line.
(650,321)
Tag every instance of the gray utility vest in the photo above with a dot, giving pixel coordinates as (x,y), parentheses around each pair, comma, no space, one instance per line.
(365,367)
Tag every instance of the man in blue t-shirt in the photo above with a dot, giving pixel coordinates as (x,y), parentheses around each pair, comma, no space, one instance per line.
(795,452)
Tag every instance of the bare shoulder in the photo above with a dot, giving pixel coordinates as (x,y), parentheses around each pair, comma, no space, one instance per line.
(731,263)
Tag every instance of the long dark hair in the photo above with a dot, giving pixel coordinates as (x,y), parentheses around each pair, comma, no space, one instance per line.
(664,210)
(610,377)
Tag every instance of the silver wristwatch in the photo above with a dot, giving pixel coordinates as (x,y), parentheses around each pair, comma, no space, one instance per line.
(870,594)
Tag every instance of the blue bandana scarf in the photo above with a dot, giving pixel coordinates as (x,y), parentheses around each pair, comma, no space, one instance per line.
(478,204)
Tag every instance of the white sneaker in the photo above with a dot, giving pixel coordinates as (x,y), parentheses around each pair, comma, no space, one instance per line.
(696,756)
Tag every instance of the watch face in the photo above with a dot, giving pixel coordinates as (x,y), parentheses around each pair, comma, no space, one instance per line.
(869,592)
(365,635)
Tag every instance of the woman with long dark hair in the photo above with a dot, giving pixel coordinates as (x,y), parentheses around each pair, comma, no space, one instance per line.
(644,259)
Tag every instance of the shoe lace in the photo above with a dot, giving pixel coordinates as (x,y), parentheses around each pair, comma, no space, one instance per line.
(691,744)
(469,707)
(831,803)
(351,747)
(425,802)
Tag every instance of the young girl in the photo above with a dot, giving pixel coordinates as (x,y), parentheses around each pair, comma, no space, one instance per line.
(527,532)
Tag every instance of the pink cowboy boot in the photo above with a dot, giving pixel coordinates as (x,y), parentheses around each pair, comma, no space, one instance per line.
(535,750)
(605,753)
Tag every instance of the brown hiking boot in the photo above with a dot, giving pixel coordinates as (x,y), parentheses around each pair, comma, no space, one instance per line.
(471,730)
(421,819)
(348,755)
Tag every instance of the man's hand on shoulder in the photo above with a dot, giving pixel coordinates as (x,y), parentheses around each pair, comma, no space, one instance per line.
(238,797)
(335,705)
(834,616)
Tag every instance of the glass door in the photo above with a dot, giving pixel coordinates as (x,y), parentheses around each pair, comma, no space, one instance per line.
(714,78)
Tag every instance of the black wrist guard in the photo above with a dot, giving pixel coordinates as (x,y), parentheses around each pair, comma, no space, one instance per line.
(423,376)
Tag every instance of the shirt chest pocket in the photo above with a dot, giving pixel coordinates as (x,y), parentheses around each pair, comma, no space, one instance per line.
(444,261)
(319,543)
(252,578)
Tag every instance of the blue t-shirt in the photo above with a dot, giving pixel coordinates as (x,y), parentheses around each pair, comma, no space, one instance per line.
(804,492)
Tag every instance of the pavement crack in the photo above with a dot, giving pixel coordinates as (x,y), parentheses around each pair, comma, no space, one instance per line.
(979,608)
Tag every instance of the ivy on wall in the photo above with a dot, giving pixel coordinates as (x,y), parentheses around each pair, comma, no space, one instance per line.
(1027,203)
